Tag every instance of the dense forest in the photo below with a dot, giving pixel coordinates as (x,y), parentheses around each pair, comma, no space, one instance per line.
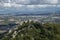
(34,31)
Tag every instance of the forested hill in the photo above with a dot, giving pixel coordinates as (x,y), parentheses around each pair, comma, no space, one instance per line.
(34,31)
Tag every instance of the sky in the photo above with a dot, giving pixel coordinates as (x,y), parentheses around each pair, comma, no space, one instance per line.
(10,6)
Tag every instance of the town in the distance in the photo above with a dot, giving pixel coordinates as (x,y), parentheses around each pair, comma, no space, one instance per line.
(8,22)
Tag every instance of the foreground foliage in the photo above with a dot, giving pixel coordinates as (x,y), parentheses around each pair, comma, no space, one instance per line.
(35,31)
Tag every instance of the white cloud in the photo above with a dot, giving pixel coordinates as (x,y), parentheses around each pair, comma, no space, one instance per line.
(41,6)
(58,5)
(16,5)
(23,1)
(7,5)
(52,1)
(11,5)
(33,2)
(29,6)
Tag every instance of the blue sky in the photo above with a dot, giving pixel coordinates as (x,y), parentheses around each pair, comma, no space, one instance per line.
(10,6)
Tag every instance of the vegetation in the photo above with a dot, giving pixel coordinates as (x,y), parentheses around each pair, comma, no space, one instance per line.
(35,31)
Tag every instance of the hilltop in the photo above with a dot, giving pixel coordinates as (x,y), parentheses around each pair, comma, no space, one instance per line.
(34,31)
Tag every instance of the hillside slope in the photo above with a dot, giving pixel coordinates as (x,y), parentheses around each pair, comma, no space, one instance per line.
(34,31)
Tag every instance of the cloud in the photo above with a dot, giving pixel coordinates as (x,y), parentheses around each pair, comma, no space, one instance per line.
(7,5)
(19,4)
(29,6)
(32,2)
(52,1)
